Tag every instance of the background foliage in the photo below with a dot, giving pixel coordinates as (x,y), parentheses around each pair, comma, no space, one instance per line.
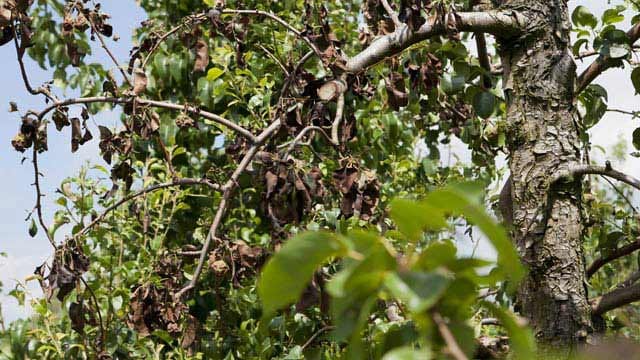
(364,231)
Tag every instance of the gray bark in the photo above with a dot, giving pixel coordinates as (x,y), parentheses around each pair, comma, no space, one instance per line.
(539,78)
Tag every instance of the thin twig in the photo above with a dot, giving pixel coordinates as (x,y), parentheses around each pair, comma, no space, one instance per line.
(626,112)
(633,208)
(188,21)
(280,21)
(23,71)
(106,48)
(177,182)
(449,339)
(301,135)
(153,103)
(316,334)
(103,333)
(611,256)
(39,194)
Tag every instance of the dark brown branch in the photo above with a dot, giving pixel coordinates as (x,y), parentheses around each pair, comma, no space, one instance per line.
(625,112)
(23,72)
(39,194)
(614,255)
(177,182)
(483,58)
(106,49)
(602,63)
(501,23)
(615,299)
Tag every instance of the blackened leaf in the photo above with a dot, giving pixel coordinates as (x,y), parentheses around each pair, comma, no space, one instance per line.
(13,107)
(76,134)
(60,119)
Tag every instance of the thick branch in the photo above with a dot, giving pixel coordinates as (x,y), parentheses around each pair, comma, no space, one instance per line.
(615,254)
(500,23)
(602,63)
(580,170)
(615,299)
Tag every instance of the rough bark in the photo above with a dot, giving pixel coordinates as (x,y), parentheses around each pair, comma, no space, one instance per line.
(539,78)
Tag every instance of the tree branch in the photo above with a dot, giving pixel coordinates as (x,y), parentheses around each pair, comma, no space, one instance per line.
(392,14)
(228,189)
(280,21)
(615,299)
(500,23)
(177,182)
(614,255)
(39,194)
(603,63)
(483,58)
(106,48)
(154,103)
(632,279)
(449,339)
(580,170)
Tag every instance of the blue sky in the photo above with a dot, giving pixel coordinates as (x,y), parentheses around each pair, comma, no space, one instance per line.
(16,191)
(17,194)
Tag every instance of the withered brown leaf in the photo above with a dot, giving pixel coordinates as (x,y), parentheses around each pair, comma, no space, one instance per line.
(202,56)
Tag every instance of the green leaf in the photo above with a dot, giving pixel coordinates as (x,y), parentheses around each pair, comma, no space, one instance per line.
(407,353)
(418,290)
(437,254)
(483,103)
(612,16)
(520,337)
(455,199)
(214,73)
(452,83)
(577,46)
(583,17)
(33,228)
(287,274)
(413,217)
(635,79)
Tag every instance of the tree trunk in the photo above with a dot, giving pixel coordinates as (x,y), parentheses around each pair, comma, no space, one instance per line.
(539,77)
